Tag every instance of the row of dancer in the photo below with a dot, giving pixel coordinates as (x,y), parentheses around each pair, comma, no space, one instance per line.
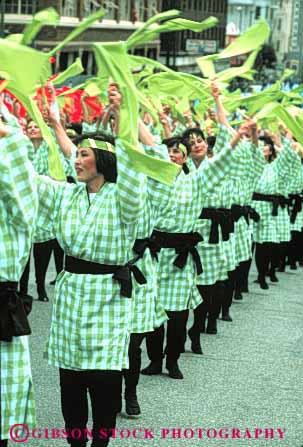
(138,252)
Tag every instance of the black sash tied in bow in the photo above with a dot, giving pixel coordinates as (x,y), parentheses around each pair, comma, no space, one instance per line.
(122,274)
(14,308)
(219,217)
(276,201)
(295,206)
(251,213)
(183,243)
(141,245)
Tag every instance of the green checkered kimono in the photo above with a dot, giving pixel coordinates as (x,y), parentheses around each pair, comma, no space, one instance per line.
(250,163)
(17,220)
(148,313)
(39,158)
(177,287)
(275,175)
(295,186)
(91,321)
(215,259)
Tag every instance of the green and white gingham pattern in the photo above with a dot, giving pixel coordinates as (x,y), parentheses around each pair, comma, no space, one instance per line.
(147,311)
(177,288)
(91,321)
(17,219)
(275,175)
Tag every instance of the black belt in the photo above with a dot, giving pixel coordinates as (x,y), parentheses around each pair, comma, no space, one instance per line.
(251,213)
(245,211)
(14,308)
(295,206)
(121,273)
(183,243)
(219,217)
(276,201)
(141,245)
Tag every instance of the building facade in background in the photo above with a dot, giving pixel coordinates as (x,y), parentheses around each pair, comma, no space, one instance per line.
(123,18)
(244,13)
(180,50)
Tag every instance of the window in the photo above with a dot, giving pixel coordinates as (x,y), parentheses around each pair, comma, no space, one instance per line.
(278,46)
(258,12)
(279,24)
(69,8)
(21,6)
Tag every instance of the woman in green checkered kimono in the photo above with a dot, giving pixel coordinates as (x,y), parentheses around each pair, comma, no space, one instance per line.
(147,311)
(17,215)
(294,191)
(178,264)
(96,223)
(267,200)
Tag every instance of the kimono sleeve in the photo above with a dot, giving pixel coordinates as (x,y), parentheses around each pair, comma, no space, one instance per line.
(17,188)
(158,193)
(286,160)
(131,187)
(50,193)
(211,175)
(223,139)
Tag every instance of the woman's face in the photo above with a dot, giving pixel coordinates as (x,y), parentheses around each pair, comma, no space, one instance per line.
(85,165)
(176,155)
(198,147)
(33,131)
(266,151)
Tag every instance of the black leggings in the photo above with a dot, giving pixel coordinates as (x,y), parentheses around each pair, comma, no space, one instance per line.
(131,375)
(104,388)
(42,254)
(175,337)
(267,258)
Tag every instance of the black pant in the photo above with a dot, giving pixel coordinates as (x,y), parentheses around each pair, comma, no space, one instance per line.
(209,308)
(131,375)
(3,443)
(228,291)
(175,338)
(295,247)
(42,255)
(104,388)
(58,255)
(241,276)
(267,258)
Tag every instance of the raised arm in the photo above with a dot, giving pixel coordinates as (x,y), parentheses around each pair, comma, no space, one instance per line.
(221,114)
(131,185)
(17,189)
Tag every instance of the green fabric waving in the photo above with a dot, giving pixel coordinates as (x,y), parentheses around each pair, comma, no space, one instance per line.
(48,16)
(112,60)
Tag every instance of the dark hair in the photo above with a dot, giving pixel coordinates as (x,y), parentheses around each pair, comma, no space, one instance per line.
(187,134)
(106,162)
(173,141)
(211,141)
(269,142)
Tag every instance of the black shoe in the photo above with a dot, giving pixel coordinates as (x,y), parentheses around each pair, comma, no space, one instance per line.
(256,281)
(53,282)
(132,407)
(211,327)
(273,277)
(226,317)
(42,295)
(238,295)
(263,284)
(152,369)
(173,370)
(195,342)
(244,289)
(293,266)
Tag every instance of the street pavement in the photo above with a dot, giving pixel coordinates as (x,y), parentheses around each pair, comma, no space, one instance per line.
(249,379)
